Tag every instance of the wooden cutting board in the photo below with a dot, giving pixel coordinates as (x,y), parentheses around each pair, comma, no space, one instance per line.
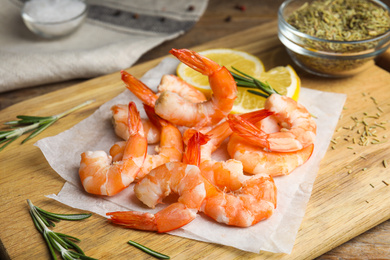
(351,193)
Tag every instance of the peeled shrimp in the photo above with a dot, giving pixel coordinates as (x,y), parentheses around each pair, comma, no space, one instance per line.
(233,198)
(178,177)
(180,111)
(170,148)
(102,177)
(298,128)
(256,159)
(120,122)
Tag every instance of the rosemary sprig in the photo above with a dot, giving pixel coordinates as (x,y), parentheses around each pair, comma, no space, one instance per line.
(26,124)
(261,88)
(148,250)
(62,243)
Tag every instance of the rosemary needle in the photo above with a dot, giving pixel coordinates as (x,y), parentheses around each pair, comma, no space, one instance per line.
(26,124)
(55,241)
(148,250)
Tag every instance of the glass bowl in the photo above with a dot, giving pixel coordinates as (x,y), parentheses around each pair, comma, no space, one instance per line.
(54,19)
(328,57)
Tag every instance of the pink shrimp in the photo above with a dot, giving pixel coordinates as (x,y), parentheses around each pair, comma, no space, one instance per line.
(120,122)
(233,198)
(298,128)
(180,111)
(170,149)
(178,177)
(256,159)
(97,173)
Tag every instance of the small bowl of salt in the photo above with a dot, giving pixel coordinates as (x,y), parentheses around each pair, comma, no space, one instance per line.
(54,18)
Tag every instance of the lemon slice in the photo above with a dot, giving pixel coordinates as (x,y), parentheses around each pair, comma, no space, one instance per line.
(229,58)
(282,79)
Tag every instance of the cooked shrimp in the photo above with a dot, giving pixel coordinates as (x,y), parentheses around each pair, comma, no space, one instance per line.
(298,128)
(233,198)
(102,177)
(170,149)
(120,122)
(180,111)
(257,160)
(178,177)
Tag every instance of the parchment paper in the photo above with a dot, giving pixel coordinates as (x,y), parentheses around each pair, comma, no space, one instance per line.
(276,234)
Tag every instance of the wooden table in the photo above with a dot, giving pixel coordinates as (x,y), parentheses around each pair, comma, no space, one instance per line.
(220,19)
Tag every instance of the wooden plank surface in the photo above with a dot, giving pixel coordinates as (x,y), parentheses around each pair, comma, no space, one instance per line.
(346,204)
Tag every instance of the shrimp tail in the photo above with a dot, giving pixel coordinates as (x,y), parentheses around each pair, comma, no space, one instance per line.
(134,120)
(257,116)
(153,117)
(195,61)
(134,220)
(192,155)
(244,125)
(139,89)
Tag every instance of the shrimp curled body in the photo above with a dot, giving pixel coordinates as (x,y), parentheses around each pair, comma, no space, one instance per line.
(102,177)
(298,128)
(256,159)
(181,111)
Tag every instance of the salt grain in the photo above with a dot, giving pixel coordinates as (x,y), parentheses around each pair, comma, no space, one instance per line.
(52,11)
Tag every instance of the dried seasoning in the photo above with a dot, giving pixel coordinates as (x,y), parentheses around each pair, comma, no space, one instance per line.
(340,21)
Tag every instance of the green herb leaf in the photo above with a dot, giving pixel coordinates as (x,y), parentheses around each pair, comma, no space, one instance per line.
(247,81)
(31,123)
(55,241)
(148,250)
(64,216)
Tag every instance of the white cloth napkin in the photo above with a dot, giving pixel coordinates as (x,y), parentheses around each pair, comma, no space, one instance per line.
(114,35)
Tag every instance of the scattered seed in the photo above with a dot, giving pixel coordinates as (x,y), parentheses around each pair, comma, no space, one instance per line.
(384,163)
(367,201)
(350,171)
(333,141)
(364,169)
(374,100)
(385,183)
(372,185)
(363,157)
(349,147)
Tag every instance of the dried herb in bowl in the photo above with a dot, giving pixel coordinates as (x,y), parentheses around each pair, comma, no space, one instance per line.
(334,37)
(341,20)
